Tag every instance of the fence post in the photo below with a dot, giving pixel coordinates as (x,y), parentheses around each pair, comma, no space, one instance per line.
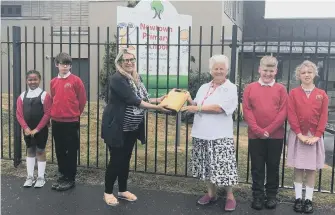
(16,91)
(233,55)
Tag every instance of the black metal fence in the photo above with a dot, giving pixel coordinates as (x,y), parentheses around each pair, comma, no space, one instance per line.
(168,136)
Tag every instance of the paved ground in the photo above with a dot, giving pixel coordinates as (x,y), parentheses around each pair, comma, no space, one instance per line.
(87,200)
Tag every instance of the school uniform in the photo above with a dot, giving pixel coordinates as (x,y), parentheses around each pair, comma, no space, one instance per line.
(69,99)
(33,111)
(265,110)
(308,115)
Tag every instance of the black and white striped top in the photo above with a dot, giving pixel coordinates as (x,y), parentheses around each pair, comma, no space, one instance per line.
(133,116)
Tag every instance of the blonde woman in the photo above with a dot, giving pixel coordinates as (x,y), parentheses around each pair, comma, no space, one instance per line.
(307,116)
(213,152)
(123,123)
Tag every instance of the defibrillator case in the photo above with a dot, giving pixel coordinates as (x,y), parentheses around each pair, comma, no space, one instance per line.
(175,100)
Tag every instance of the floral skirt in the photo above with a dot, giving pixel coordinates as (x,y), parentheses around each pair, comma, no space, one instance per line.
(214,161)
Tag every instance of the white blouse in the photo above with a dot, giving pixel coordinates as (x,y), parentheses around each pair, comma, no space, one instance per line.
(211,126)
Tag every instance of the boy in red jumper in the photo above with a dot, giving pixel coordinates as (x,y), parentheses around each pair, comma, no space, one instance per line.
(33,114)
(264,108)
(69,99)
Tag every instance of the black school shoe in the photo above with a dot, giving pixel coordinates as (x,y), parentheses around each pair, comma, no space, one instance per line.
(308,206)
(298,206)
(55,185)
(271,203)
(65,185)
(257,204)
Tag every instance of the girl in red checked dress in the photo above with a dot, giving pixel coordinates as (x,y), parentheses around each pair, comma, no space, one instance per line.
(307,116)
(33,114)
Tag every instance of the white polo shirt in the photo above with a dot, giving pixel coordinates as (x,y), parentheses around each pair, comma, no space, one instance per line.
(211,126)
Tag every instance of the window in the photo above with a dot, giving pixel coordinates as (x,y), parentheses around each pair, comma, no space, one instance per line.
(239,7)
(234,9)
(11,11)
(230,8)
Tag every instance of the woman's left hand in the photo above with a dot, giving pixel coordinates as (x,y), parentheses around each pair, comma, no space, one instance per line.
(191,109)
(312,140)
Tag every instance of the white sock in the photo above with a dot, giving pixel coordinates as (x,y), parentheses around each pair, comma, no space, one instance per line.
(41,168)
(309,192)
(30,166)
(298,190)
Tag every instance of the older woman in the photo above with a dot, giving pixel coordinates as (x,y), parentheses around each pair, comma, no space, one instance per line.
(213,153)
(123,124)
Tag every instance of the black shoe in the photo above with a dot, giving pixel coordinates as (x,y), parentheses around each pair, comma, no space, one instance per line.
(257,204)
(271,203)
(65,185)
(308,206)
(55,185)
(298,206)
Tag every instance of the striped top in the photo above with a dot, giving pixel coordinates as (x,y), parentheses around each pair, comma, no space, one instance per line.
(133,116)
(308,91)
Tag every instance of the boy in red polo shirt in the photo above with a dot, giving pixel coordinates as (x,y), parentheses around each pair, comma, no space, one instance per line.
(264,108)
(69,99)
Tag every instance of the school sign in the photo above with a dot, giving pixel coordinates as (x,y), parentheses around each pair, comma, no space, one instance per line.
(165,26)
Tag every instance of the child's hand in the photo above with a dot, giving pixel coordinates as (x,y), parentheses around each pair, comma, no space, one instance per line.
(27,131)
(265,135)
(302,138)
(34,132)
(312,140)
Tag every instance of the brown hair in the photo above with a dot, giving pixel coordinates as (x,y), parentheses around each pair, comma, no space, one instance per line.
(63,58)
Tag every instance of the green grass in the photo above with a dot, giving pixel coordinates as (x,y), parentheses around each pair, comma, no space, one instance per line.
(153,156)
(163,81)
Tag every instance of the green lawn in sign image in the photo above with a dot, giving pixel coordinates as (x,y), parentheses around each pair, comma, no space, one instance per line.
(163,81)
(161,92)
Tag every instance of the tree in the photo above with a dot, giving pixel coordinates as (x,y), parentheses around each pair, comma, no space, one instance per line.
(108,62)
(158,7)
(108,68)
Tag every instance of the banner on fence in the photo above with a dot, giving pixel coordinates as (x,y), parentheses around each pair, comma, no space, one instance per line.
(165,26)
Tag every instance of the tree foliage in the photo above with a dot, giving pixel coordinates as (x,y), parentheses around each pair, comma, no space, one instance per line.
(108,62)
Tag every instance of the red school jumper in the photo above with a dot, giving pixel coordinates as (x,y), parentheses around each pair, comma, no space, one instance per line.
(265,109)
(69,98)
(308,113)
(46,102)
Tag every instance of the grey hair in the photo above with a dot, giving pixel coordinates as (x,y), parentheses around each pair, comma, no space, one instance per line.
(218,59)
(308,64)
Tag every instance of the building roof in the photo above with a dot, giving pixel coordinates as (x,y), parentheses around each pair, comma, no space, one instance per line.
(285,46)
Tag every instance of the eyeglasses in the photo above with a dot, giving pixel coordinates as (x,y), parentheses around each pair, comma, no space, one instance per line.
(131,60)
(64,64)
